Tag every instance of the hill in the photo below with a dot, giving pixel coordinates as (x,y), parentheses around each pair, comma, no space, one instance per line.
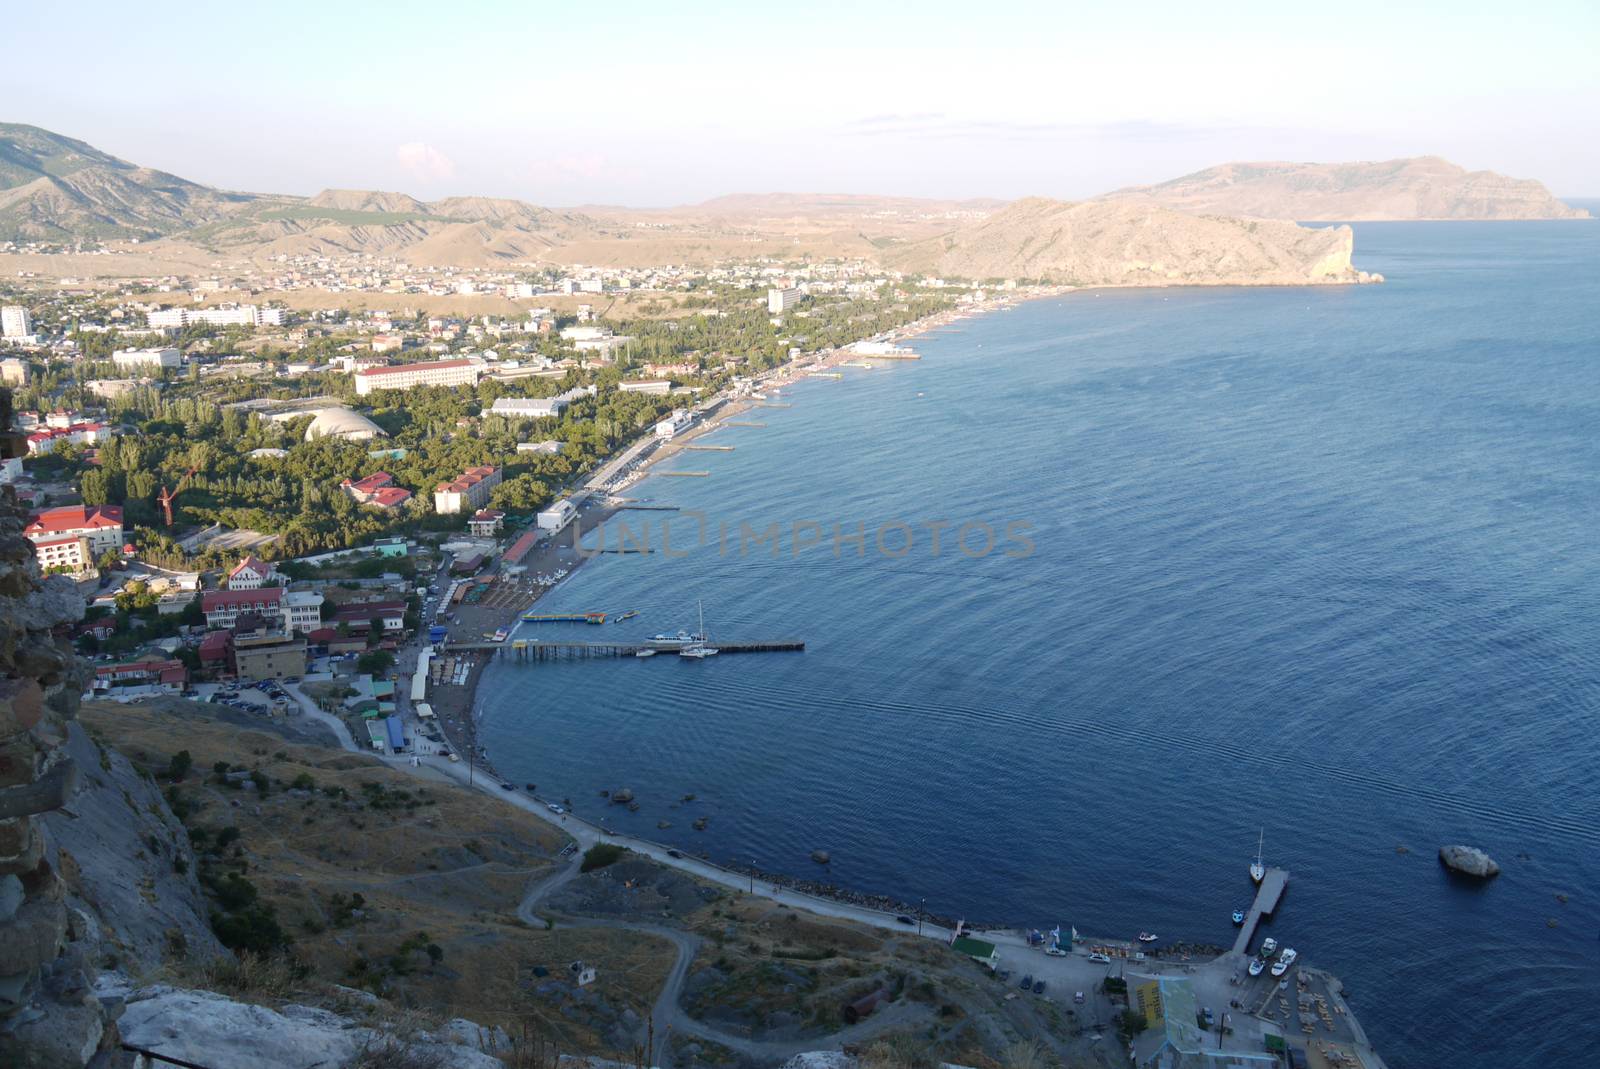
(1114,243)
(1424,187)
(58,188)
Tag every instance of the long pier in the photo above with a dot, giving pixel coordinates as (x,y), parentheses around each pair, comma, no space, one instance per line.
(684,474)
(773,404)
(710,448)
(737,423)
(1267,897)
(539,650)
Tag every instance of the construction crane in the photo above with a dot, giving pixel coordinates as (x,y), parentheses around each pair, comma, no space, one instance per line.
(166,497)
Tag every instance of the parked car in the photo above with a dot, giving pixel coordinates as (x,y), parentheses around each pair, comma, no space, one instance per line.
(1078,997)
(1027,982)
(1103,959)
(554,808)
(674,853)
(1038,987)
(903,919)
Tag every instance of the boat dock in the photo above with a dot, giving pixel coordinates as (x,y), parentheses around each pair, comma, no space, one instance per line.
(1267,896)
(710,448)
(737,423)
(907,355)
(536,650)
(684,474)
(773,404)
(640,506)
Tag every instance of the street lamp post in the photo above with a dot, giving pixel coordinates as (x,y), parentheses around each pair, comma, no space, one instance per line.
(752,875)
(921,907)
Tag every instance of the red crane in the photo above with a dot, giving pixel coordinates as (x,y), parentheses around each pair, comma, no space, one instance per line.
(166,496)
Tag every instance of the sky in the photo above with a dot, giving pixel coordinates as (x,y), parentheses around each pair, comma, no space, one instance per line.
(653,104)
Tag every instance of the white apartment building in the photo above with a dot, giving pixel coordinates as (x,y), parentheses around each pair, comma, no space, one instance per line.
(167,357)
(670,427)
(780,301)
(73,536)
(302,611)
(243,315)
(538,407)
(467,492)
(65,554)
(465,371)
(294,611)
(15,322)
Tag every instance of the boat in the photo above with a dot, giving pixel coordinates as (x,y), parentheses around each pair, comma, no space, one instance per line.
(1269,947)
(630,614)
(1257,966)
(1285,960)
(1258,871)
(697,649)
(647,652)
(1148,937)
(1238,916)
(673,642)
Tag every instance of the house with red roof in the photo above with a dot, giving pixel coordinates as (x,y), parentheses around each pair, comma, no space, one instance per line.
(252,573)
(468,491)
(168,675)
(70,538)
(377,490)
(486,523)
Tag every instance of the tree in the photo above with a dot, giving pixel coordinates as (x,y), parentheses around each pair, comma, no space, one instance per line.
(179,764)
(375,662)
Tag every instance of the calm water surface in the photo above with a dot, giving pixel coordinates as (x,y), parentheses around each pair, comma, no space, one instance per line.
(1320,561)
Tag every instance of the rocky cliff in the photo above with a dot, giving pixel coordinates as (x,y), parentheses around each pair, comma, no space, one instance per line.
(1100,243)
(1425,187)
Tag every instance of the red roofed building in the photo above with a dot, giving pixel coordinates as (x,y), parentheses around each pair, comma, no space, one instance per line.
(358,616)
(169,675)
(462,372)
(45,440)
(70,538)
(486,523)
(252,573)
(377,490)
(224,607)
(468,491)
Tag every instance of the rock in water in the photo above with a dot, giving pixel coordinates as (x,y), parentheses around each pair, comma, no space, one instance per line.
(820,857)
(1469,861)
(622,797)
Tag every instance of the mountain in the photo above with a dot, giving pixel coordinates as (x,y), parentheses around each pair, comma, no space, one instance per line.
(1133,244)
(55,188)
(1425,187)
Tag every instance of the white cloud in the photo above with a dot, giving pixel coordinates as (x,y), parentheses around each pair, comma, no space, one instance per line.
(425,162)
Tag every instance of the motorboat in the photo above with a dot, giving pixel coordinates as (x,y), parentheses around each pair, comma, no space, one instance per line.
(1238,916)
(1257,966)
(1148,937)
(1285,960)
(697,653)
(644,653)
(1269,947)
(1258,871)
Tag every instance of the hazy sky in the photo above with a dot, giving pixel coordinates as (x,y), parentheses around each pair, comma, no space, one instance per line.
(664,103)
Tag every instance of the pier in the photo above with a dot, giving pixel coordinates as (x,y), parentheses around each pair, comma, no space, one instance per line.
(710,448)
(536,650)
(684,474)
(736,423)
(1267,897)
(773,404)
(640,506)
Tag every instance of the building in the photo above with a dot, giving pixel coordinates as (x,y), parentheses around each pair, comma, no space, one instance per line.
(165,357)
(302,612)
(394,546)
(13,372)
(74,536)
(557,515)
(979,951)
(240,315)
(15,322)
(388,343)
(486,523)
(657,387)
(252,573)
(673,425)
(465,371)
(46,439)
(780,301)
(377,490)
(467,492)
(538,407)
(1173,1038)
(342,423)
(268,655)
(549,446)
(358,616)
(224,607)
(169,675)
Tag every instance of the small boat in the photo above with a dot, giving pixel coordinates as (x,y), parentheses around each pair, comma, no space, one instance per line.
(1285,960)
(630,614)
(1238,916)
(1269,947)
(644,653)
(1148,937)
(697,653)
(1257,966)
(1258,871)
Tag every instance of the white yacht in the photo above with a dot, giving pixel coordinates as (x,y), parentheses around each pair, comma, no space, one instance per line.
(1258,871)
(1285,960)
(1257,965)
(697,649)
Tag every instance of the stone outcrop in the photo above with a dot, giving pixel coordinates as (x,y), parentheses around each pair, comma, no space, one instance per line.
(1469,861)
(49,1015)
(211,1029)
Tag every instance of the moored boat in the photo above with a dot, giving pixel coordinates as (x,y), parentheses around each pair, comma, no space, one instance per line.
(1148,937)
(1257,966)
(1238,916)
(1285,960)
(1258,871)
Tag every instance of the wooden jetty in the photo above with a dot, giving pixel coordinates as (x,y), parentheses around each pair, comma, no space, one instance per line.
(640,506)
(897,356)
(773,404)
(684,474)
(737,423)
(710,448)
(1267,898)
(539,650)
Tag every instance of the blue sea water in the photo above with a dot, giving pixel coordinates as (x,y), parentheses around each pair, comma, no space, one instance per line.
(1319,561)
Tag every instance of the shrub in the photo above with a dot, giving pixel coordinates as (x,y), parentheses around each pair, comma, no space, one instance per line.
(179,765)
(599,856)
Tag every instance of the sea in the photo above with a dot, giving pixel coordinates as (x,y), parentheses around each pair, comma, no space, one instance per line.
(1319,564)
